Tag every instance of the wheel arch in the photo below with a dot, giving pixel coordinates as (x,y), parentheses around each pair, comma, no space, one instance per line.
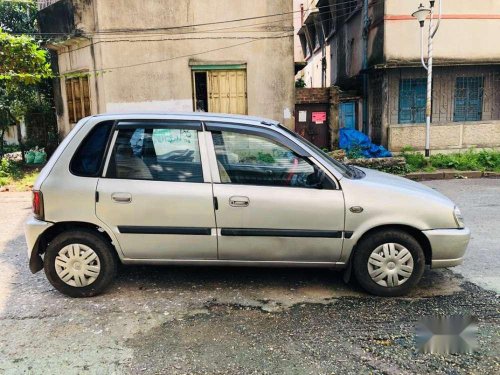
(414,232)
(36,261)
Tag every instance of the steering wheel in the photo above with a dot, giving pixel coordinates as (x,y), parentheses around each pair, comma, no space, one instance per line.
(292,171)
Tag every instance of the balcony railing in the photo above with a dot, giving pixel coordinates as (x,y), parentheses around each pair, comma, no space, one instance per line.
(45,3)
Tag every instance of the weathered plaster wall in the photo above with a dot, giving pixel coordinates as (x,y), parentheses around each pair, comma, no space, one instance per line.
(142,63)
(313,71)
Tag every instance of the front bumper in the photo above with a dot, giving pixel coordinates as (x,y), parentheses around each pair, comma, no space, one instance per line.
(33,228)
(448,246)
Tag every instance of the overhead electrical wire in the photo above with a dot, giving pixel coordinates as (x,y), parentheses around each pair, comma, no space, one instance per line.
(108,34)
(104,32)
(127,39)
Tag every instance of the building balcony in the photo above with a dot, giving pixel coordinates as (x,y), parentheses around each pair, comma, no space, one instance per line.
(65,19)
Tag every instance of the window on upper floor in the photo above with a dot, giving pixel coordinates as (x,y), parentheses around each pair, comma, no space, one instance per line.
(468,99)
(320,32)
(78,98)
(313,36)
(412,100)
(306,50)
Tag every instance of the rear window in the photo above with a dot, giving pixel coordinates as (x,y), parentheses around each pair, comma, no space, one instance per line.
(88,159)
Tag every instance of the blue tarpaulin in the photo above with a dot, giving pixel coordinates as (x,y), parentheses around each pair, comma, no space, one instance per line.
(353,140)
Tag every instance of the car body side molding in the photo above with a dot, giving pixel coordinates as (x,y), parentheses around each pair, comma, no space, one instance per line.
(264,232)
(164,230)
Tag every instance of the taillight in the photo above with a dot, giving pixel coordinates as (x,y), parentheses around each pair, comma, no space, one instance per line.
(38,204)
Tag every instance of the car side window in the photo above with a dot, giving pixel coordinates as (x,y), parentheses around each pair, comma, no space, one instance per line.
(88,158)
(255,160)
(160,154)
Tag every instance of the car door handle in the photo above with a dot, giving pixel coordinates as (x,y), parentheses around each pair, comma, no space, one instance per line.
(236,201)
(122,197)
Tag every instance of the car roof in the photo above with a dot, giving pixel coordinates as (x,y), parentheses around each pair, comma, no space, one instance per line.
(200,116)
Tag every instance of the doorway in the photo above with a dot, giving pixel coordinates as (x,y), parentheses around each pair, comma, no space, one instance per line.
(347,115)
(221,91)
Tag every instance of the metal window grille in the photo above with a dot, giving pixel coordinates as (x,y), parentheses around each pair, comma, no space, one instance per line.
(468,99)
(412,99)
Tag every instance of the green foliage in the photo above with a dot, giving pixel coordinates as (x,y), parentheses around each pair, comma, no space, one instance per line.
(25,84)
(23,61)
(18,17)
(7,148)
(9,168)
(414,160)
(265,158)
(470,160)
(394,169)
(300,83)
(355,153)
(16,176)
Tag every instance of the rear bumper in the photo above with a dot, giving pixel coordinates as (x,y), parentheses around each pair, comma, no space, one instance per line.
(448,246)
(33,228)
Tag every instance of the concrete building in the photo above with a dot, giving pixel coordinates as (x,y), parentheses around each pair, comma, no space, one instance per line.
(170,55)
(339,36)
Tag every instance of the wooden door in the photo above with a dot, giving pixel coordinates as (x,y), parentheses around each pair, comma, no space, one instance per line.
(227,91)
(311,122)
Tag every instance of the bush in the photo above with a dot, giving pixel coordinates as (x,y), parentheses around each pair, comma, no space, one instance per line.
(394,165)
(355,153)
(300,83)
(469,160)
(414,160)
(9,168)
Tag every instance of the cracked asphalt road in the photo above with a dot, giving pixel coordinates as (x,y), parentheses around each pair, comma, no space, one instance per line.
(180,320)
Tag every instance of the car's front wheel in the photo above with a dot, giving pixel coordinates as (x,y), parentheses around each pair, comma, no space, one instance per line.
(388,263)
(80,263)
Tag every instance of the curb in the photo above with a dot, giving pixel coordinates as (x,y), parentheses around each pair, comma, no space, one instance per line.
(450,175)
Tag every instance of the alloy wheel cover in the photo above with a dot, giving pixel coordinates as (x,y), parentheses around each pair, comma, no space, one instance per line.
(390,265)
(77,265)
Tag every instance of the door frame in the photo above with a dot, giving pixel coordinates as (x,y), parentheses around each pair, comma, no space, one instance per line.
(174,230)
(207,68)
(355,113)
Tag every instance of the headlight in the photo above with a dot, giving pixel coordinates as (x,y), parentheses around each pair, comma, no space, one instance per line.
(458,217)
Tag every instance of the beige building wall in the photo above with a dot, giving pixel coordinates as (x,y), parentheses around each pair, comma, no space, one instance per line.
(298,56)
(147,68)
(468,31)
(313,71)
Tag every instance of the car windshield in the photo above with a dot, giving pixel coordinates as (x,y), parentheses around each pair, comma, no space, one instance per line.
(345,170)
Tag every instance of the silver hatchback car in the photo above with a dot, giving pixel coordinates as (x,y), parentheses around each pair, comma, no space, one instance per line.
(210,189)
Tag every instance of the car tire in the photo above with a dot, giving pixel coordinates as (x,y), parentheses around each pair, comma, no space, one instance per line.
(80,263)
(388,263)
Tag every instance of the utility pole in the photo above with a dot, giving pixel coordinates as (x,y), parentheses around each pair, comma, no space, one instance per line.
(421,14)
(366,31)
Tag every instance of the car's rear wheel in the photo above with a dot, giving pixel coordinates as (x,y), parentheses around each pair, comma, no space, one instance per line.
(388,263)
(80,263)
